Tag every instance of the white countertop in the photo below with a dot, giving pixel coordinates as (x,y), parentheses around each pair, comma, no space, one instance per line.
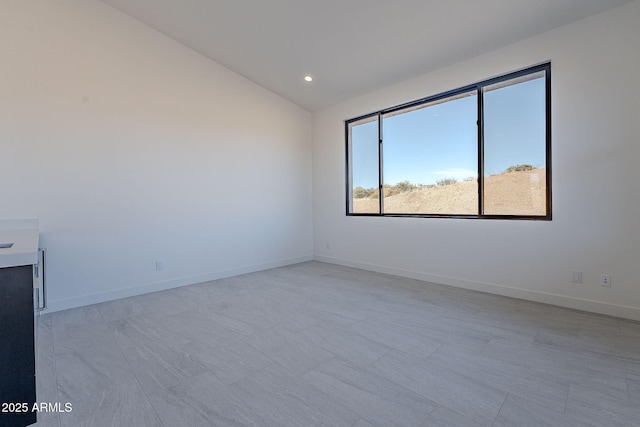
(24,235)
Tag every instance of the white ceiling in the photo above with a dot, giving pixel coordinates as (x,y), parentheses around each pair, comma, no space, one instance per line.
(350,47)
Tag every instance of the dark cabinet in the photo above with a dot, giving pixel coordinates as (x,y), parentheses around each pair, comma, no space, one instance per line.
(17,348)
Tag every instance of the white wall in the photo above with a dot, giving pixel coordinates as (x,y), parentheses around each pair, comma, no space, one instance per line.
(131,148)
(596,173)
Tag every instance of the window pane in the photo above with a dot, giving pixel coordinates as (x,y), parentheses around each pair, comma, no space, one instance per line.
(515,147)
(363,138)
(430,157)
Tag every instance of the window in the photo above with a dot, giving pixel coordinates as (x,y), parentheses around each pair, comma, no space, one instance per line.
(482,151)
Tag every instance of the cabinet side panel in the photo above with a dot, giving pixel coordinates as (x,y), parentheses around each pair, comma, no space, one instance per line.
(17,355)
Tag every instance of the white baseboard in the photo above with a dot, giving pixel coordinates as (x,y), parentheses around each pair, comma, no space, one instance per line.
(65,304)
(626,312)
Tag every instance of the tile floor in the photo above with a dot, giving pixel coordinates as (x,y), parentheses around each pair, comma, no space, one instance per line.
(318,344)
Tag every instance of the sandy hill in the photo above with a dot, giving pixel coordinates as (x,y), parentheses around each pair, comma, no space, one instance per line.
(513,193)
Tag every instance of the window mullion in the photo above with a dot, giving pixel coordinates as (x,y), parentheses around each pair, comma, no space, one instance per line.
(380,170)
(480,123)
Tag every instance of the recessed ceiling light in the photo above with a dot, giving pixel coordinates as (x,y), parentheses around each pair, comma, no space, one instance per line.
(308,78)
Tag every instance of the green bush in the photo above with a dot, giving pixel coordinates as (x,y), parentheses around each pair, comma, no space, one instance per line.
(404,187)
(519,168)
(447,181)
(389,190)
(364,193)
(360,193)
(400,188)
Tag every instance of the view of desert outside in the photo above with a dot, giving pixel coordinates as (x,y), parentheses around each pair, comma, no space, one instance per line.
(429,154)
(521,192)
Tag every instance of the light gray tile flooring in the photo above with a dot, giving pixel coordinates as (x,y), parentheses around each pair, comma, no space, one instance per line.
(318,344)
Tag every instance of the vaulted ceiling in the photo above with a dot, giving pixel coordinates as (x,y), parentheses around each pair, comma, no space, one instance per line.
(349,47)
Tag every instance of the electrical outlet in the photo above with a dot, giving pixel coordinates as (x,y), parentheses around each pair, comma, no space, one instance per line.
(605,280)
(576,276)
(159,265)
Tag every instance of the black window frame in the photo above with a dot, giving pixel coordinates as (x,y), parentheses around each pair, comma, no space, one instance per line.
(479,88)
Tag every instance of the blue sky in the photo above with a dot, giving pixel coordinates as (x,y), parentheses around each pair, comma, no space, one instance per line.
(440,141)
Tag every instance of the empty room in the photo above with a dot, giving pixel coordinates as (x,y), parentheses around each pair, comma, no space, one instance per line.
(346,213)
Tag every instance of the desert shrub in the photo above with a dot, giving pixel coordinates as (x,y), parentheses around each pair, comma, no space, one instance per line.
(469,179)
(404,187)
(389,190)
(360,193)
(447,181)
(519,168)
(363,193)
(400,188)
